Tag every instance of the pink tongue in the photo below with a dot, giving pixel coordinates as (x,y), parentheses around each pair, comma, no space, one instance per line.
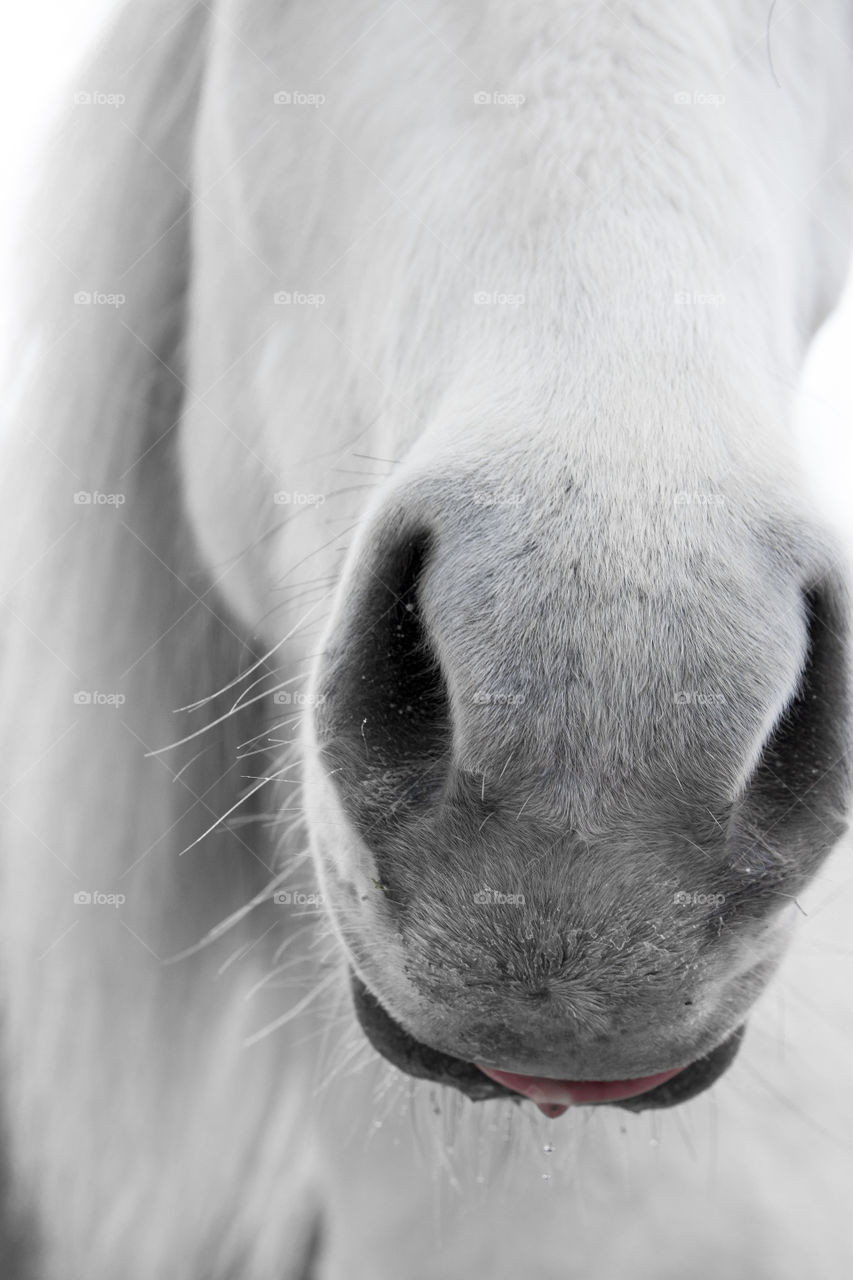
(552,1097)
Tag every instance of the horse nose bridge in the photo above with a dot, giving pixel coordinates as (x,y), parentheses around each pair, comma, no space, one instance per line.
(478,562)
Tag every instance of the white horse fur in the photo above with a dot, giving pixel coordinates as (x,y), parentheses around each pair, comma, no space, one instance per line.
(552,270)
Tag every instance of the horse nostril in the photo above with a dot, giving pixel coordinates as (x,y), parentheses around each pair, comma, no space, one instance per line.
(802,777)
(383,720)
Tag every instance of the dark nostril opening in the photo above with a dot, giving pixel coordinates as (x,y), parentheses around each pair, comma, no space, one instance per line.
(799,791)
(383,722)
(806,753)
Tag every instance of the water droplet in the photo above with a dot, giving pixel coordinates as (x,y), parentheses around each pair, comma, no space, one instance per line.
(546,1177)
(548,1148)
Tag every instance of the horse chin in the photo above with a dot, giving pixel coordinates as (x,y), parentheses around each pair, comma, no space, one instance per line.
(422,1062)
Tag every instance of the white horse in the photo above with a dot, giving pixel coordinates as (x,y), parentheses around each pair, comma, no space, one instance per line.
(424,673)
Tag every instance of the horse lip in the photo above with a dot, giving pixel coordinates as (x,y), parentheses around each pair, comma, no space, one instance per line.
(551,1094)
(409,1055)
(416,1059)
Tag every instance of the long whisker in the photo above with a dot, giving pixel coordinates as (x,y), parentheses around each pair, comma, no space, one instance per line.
(298,1008)
(194,706)
(221,719)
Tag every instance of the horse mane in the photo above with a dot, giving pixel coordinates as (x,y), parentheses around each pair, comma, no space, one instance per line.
(111,628)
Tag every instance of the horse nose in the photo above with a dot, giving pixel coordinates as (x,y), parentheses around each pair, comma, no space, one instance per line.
(562,761)
(564,656)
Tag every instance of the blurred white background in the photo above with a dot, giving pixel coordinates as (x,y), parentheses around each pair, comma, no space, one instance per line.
(41,46)
(43,41)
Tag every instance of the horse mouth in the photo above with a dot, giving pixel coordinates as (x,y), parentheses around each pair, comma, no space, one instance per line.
(666,1089)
